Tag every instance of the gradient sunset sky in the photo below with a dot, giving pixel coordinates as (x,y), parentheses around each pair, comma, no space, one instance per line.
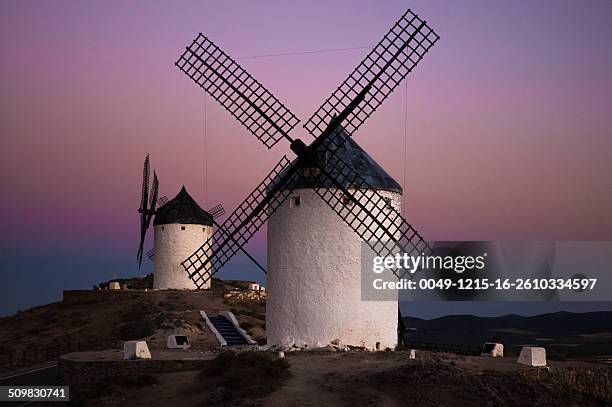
(509,122)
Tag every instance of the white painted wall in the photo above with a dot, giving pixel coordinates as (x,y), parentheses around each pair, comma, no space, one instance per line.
(314,280)
(172,246)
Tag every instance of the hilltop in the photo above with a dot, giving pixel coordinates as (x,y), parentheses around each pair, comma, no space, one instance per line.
(103,319)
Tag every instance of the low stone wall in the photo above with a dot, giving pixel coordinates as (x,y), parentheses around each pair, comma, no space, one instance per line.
(90,296)
(75,372)
(195,345)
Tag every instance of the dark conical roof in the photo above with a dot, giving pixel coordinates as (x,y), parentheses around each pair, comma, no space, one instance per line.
(182,209)
(350,152)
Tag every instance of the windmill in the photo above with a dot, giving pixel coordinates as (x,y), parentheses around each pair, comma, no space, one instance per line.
(184,213)
(321,164)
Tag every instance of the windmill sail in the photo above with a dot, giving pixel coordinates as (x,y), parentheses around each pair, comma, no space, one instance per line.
(242,224)
(154,190)
(362,207)
(162,200)
(237,91)
(217,211)
(147,207)
(144,198)
(380,72)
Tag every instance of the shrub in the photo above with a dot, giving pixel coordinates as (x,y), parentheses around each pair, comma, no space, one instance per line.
(593,382)
(246,375)
(246,325)
(113,385)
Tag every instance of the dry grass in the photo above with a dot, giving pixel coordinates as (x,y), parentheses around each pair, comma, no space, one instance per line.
(252,318)
(595,382)
(115,386)
(433,382)
(241,378)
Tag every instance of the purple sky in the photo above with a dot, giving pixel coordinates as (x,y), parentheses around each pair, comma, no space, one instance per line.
(509,129)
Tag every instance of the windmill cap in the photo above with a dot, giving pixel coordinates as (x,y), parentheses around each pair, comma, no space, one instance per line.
(182,209)
(351,153)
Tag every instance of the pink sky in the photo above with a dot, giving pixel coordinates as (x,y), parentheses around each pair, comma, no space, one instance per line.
(509,128)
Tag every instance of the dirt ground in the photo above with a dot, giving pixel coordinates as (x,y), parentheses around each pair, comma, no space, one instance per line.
(392,379)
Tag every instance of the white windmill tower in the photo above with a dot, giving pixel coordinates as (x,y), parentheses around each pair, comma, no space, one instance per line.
(331,190)
(312,251)
(180,227)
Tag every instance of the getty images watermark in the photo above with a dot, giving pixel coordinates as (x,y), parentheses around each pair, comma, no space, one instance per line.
(406,262)
(508,271)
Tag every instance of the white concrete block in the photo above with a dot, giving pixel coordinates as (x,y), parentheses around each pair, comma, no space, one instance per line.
(254,286)
(412,354)
(532,356)
(136,350)
(492,349)
(177,342)
(114,285)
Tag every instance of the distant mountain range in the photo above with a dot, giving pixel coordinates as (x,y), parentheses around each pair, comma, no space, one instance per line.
(558,323)
(579,334)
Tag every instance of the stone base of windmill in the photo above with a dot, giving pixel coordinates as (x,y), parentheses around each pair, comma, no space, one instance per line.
(334,346)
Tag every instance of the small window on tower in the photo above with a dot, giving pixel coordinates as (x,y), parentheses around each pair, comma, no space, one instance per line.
(347,201)
(182,227)
(295,201)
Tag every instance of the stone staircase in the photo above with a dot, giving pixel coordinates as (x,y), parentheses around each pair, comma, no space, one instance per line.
(228,331)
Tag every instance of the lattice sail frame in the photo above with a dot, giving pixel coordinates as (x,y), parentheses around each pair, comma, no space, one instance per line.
(216,211)
(148,203)
(153,197)
(146,173)
(243,223)
(365,210)
(162,201)
(389,62)
(237,91)
(144,196)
